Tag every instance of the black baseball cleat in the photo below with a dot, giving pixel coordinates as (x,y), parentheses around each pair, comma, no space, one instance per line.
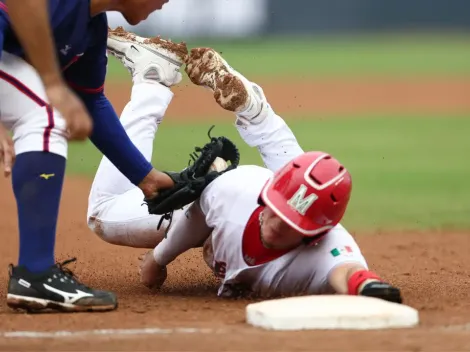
(382,290)
(55,289)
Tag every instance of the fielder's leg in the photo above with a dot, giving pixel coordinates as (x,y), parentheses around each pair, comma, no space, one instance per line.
(115,210)
(41,150)
(257,123)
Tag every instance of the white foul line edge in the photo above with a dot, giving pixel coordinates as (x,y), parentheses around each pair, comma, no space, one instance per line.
(153,331)
(104,332)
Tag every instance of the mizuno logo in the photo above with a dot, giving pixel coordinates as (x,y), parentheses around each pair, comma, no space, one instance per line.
(68,296)
(46,176)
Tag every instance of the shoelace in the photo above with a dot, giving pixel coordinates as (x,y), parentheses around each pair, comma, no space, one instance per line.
(68,272)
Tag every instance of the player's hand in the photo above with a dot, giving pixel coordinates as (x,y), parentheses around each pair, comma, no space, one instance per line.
(152,275)
(7,151)
(79,123)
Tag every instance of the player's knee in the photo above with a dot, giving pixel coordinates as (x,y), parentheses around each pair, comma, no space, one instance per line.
(99,229)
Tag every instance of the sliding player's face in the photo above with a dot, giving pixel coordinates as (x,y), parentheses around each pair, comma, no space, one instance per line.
(276,233)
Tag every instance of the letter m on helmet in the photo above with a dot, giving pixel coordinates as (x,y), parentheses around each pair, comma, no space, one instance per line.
(299,202)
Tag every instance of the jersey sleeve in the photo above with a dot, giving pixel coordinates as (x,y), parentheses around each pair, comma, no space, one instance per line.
(4,25)
(86,73)
(236,188)
(337,248)
(274,140)
(208,200)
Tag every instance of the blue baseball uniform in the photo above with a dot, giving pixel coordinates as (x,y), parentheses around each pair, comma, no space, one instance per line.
(39,130)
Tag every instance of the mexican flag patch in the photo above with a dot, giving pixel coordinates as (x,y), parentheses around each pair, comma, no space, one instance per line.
(341,250)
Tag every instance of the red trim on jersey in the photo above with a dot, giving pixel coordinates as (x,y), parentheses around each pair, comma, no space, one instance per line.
(3,7)
(75,59)
(86,90)
(30,94)
(76,86)
(253,251)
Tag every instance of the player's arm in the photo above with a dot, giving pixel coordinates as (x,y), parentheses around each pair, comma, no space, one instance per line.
(274,140)
(86,77)
(356,279)
(31,23)
(187,231)
(7,151)
(340,267)
(190,230)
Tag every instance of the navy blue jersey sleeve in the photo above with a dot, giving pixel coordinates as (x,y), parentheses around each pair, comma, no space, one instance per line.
(112,140)
(87,72)
(86,76)
(4,24)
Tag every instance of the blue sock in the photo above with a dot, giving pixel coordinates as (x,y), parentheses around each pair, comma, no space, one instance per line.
(37,183)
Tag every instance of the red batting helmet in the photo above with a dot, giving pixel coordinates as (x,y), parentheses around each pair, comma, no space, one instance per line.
(310,193)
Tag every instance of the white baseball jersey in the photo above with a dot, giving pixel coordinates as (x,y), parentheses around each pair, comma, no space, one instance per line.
(231,209)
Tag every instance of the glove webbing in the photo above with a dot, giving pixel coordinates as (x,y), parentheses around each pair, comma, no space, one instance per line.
(167,216)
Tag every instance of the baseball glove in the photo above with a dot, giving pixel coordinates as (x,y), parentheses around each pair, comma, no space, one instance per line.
(191,181)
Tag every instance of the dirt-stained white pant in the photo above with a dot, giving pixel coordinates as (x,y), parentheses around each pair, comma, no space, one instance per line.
(24,109)
(116,209)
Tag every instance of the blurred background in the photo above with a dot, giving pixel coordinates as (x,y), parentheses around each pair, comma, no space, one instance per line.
(383,85)
(242,18)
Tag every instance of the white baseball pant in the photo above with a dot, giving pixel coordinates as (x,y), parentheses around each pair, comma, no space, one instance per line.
(24,109)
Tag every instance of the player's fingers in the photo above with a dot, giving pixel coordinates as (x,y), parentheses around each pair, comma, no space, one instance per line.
(79,123)
(1,155)
(144,255)
(78,131)
(8,156)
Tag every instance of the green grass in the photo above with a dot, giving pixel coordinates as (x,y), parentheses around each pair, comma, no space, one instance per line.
(409,172)
(415,55)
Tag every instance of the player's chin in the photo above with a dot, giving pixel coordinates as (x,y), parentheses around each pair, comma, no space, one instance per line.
(276,241)
(272,243)
(161,4)
(133,20)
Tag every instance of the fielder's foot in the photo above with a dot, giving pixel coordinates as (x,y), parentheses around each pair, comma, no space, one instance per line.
(382,290)
(232,91)
(55,289)
(148,59)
